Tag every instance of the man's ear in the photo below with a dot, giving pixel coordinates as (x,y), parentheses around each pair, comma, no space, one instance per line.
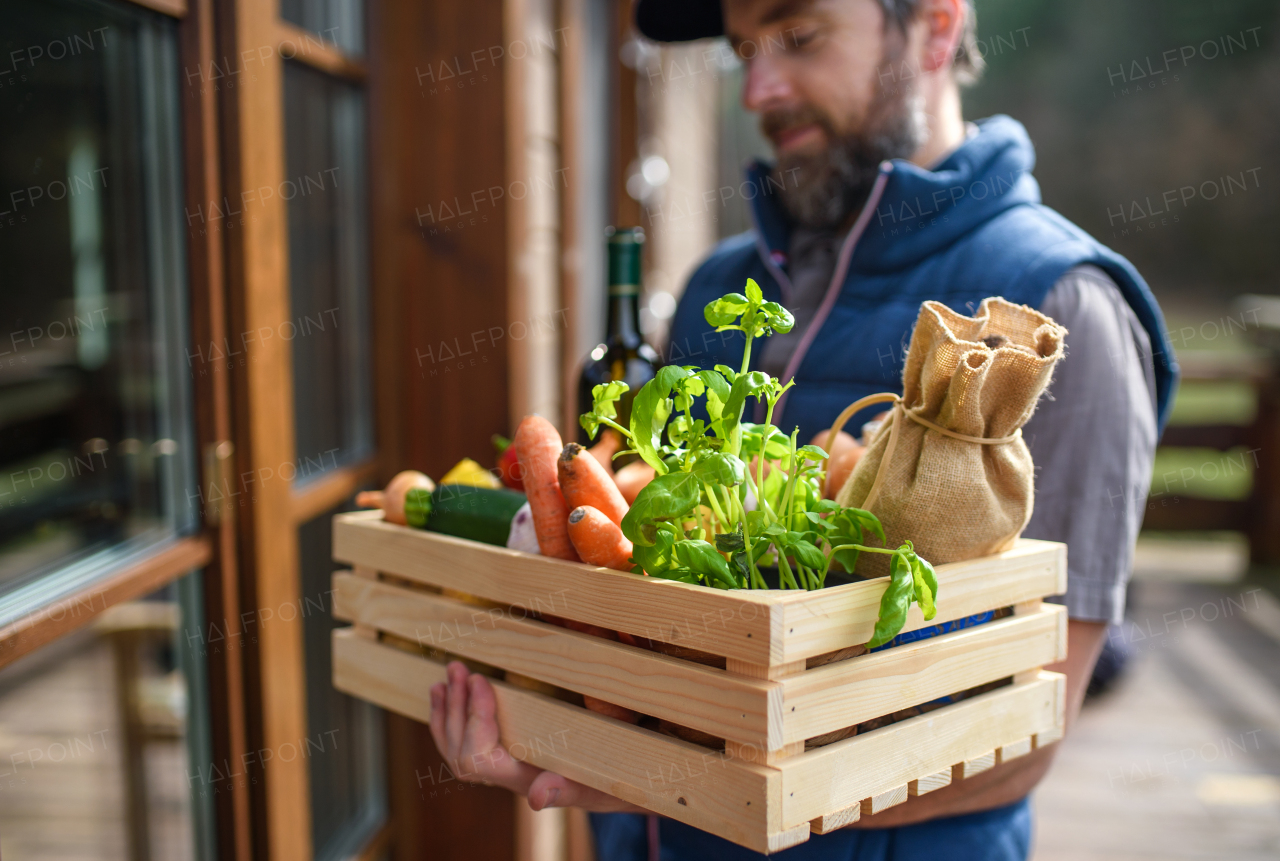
(943,23)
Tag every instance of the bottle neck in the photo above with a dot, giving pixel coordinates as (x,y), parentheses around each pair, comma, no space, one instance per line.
(624,314)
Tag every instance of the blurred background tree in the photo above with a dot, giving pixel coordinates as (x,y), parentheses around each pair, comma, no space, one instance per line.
(1106,136)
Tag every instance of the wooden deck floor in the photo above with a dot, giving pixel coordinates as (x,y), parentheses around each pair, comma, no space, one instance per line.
(1182,759)
(58,708)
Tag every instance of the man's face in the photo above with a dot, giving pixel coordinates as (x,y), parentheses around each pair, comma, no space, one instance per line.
(818,72)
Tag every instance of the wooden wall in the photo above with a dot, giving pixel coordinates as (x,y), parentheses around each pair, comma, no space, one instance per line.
(437,158)
(439,221)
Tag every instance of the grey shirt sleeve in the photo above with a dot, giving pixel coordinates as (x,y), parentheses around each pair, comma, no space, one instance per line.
(1093,439)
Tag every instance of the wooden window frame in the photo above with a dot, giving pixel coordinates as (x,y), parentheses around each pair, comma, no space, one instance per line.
(59,617)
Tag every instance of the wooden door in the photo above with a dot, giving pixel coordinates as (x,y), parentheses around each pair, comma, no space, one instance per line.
(295,195)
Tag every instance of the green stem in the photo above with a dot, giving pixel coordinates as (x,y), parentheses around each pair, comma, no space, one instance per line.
(715,503)
(739,515)
(746,353)
(785,568)
(832,552)
(619,428)
(761,503)
(764,442)
(789,497)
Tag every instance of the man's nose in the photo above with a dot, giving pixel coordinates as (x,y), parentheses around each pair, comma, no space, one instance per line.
(766,85)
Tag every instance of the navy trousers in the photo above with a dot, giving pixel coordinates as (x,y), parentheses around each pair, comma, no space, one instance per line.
(1003,834)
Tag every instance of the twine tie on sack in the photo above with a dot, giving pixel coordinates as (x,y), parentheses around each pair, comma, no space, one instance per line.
(900,410)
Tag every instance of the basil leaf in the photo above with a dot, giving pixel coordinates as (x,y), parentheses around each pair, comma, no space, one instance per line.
(730,542)
(688,388)
(669,375)
(720,468)
(727,372)
(808,555)
(656,557)
(746,385)
(813,452)
(867,520)
(683,575)
(755,522)
(848,558)
(717,393)
(703,558)
(666,497)
(894,603)
(605,396)
(726,310)
(926,586)
(754,294)
(649,413)
(779,318)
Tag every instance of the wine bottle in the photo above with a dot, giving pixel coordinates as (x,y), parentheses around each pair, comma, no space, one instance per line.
(624,355)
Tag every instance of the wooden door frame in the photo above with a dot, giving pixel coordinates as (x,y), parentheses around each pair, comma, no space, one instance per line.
(258,293)
(213,421)
(257,252)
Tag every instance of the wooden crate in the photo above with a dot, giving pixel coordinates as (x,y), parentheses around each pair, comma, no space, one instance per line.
(763,791)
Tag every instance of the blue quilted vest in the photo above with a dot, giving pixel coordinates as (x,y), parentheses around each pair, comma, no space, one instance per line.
(971,228)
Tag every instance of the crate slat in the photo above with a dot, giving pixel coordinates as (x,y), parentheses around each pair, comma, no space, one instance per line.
(690,694)
(930,782)
(741,624)
(814,623)
(832,821)
(885,800)
(692,784)
(976,765)
(1012,751)
(845,773)
(849,692)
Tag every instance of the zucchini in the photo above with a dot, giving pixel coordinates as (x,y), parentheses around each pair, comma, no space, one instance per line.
(478,513)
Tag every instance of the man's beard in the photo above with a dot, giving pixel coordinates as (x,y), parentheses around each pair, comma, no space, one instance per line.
(821,190)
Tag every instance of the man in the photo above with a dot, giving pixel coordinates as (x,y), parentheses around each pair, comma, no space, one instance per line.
(882,197)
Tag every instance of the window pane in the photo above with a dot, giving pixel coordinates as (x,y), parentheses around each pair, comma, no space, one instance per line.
(339,22)
(98,739)
(95,456)
(347,782)
(328,266)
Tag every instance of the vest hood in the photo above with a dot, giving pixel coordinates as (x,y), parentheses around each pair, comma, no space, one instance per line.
(923,211)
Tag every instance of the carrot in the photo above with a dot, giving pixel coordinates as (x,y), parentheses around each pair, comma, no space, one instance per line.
(538,445)
(598,539)
(581,627)
(622,713)
(606,448)
(583,481)
(632,478)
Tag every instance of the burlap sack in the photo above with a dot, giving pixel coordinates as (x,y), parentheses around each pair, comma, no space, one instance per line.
(949,469)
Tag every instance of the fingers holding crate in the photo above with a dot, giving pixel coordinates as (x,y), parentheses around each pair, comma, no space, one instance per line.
(465,728)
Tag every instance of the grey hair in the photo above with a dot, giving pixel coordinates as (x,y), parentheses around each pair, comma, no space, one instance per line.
(967,63)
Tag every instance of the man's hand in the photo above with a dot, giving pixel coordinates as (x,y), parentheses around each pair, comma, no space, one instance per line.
(465,730)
